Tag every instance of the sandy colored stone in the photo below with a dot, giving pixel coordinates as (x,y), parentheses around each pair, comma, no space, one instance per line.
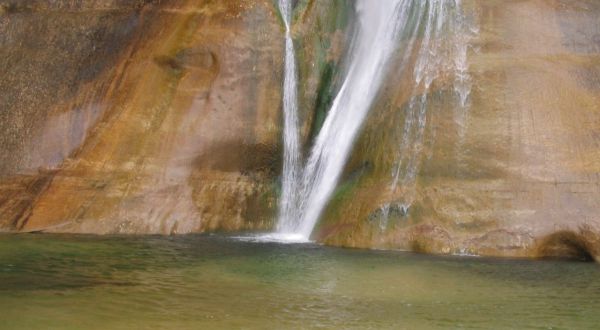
(165,117)
(521,166)
(150,117)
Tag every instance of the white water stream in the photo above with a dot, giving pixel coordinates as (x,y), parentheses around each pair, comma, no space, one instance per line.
(291,138)
(307,186)
(447,31)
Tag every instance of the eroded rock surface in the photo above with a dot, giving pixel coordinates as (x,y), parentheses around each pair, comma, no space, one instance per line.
(165,117)
(148,116)
(518,165)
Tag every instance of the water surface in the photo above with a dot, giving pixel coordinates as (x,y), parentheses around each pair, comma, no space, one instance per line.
(214,282)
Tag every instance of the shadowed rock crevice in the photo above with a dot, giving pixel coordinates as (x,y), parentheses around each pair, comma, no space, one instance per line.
(235,156)
(581,246)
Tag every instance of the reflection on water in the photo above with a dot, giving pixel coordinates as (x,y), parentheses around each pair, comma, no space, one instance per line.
(200,282)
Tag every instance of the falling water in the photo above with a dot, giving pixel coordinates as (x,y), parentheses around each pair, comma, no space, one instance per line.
(375,42)
(420,24)
(442,53)
(291,140)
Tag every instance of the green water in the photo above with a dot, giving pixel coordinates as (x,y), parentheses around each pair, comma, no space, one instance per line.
(212,282)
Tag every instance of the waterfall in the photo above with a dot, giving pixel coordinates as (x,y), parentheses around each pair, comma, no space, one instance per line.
(291,139)
(447,32)
(381,25)
(305,198)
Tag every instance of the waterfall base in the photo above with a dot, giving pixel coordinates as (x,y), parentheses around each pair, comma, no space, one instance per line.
(275,238)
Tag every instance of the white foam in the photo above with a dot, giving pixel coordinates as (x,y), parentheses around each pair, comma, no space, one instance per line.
(274,238)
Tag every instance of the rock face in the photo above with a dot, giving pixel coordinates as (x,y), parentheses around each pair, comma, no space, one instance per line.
(132,145)
(520,165)
(148,116)
(164,117)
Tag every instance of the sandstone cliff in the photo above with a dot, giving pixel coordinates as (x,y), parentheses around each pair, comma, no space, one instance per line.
(165,117)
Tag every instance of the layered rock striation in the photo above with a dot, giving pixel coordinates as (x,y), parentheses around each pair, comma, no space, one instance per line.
(165,117)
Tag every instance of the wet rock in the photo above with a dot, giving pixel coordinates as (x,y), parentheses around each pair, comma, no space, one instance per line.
(519,163)
(582,245)
(156,117)
(152,117)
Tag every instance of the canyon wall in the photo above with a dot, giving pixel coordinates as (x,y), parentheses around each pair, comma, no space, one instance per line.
(148,116)
(165,117)
(513,172)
